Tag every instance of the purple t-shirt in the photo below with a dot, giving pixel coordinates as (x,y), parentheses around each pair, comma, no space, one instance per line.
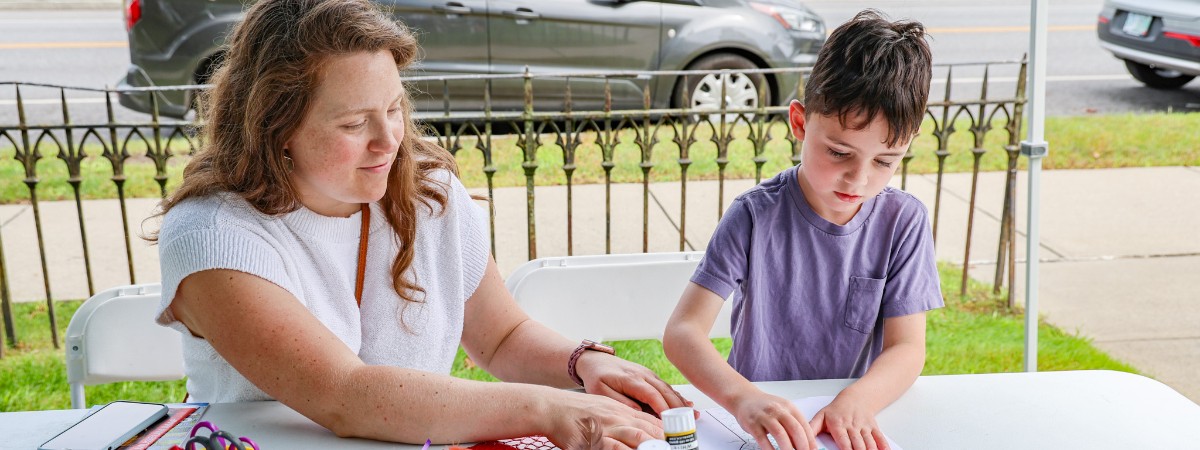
(810,295)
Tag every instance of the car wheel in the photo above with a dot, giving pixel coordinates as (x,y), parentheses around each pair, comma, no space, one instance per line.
(204,71)
(703,92)
(1157,78)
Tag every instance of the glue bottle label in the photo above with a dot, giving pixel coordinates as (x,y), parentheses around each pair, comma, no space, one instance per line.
(683,441)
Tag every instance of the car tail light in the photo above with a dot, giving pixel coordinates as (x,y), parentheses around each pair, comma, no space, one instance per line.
(133,13)
(1103,19)
(1194,40)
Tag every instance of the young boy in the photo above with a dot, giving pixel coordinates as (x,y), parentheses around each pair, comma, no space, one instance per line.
(831,270)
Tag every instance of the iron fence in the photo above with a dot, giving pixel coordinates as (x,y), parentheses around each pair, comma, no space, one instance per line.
(579,126)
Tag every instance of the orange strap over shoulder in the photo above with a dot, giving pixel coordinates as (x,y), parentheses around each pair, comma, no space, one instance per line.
(363,237)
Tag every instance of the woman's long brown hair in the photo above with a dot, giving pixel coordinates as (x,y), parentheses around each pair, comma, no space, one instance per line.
(263,89)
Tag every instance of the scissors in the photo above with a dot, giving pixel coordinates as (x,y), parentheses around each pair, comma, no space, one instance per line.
(217,440)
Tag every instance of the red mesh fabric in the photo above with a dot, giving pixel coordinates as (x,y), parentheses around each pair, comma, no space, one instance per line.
(525,443)
(489,445)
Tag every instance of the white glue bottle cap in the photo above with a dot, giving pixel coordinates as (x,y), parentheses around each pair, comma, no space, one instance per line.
(654,444)
(679,425)
(678,420)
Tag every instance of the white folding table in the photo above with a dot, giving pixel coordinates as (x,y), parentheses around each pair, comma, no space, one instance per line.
(1044,410)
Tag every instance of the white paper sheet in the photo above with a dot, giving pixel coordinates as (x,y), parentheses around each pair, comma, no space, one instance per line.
(717,429)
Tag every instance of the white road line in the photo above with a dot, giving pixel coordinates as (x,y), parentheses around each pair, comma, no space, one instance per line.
(942,80)
(53,101)
(116,20)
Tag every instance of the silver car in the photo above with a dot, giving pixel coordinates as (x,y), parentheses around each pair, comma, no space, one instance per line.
(1159,40)
(178,42)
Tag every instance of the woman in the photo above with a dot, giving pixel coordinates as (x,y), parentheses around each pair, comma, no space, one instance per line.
(320,253)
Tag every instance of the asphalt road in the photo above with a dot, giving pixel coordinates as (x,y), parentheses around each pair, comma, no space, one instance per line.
(1082,78)
(86,48)
(77,48)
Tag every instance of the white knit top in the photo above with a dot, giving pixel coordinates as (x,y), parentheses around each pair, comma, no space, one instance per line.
(315,258)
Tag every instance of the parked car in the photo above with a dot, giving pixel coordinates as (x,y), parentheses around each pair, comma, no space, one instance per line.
(178,42)
(1159,40)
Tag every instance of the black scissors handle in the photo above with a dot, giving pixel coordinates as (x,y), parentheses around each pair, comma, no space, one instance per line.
(213,442)
(201,440)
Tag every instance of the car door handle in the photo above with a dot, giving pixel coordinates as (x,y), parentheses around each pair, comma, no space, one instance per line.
(452,8)
(523,14)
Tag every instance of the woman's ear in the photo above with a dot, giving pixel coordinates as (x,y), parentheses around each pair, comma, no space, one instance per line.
(796,119)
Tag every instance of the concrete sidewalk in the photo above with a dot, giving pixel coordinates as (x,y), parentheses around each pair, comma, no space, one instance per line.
(1119,247)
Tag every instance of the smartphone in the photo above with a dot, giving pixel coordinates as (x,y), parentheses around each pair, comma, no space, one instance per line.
(108,427)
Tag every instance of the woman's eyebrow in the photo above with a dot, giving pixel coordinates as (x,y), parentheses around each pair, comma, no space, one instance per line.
(365,109)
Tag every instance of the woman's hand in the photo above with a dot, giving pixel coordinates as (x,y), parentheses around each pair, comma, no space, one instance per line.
(627,382)
(762,414)
(851,424)
(592,422)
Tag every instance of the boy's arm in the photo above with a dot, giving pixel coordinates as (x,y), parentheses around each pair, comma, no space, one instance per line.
(687,346)
(897,367)
(851,415)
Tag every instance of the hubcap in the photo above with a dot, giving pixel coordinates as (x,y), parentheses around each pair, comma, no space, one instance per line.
(1167,73)
(740,92)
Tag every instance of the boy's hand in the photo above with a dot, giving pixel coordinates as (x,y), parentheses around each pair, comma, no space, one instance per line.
(851,424)
(762,414)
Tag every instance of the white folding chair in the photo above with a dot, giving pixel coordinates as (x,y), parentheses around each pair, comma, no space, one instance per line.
(113,337)
(608,297)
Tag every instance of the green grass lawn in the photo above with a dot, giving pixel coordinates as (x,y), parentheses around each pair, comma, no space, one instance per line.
(1076,142)
(973,334)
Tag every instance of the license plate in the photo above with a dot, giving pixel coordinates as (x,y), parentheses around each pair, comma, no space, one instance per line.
(1137,24)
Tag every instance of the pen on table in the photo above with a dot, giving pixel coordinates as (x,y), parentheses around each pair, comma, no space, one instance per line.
(426,447)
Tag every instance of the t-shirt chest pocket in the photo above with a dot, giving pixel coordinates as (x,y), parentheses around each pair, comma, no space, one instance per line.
(863,303)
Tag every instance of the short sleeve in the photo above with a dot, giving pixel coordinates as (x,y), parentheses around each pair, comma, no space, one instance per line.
(472,233)
(726,259)
(913,284)
(192,241)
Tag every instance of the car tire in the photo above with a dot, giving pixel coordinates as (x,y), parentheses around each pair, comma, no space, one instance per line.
(204,72)
(703,91)
(1157,78)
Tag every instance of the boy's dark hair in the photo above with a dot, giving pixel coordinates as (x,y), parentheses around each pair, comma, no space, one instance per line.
(873,66)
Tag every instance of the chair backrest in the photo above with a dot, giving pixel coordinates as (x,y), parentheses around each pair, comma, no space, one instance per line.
(113,337)
(608,297)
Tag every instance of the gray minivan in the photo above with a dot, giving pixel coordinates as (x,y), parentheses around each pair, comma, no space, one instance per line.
(178,42)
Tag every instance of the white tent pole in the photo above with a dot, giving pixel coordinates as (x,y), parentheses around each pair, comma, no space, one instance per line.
(1035,148)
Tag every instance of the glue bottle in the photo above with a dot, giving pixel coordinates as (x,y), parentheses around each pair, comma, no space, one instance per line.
(679,425)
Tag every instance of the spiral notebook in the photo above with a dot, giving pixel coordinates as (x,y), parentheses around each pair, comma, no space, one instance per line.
(171,430)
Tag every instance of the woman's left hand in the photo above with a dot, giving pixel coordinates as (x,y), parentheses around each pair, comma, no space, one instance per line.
(851,425)
(627,382)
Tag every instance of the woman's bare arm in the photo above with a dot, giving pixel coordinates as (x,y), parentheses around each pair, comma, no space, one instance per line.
(272,340)
(507,343)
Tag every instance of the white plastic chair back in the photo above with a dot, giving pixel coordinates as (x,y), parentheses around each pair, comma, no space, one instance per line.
(608,297)
(113,337)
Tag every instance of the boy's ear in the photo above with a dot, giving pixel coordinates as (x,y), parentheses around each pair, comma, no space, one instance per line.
(796,119)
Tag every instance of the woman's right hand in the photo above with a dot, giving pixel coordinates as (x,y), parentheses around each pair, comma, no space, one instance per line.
(762,414)
(595,422)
